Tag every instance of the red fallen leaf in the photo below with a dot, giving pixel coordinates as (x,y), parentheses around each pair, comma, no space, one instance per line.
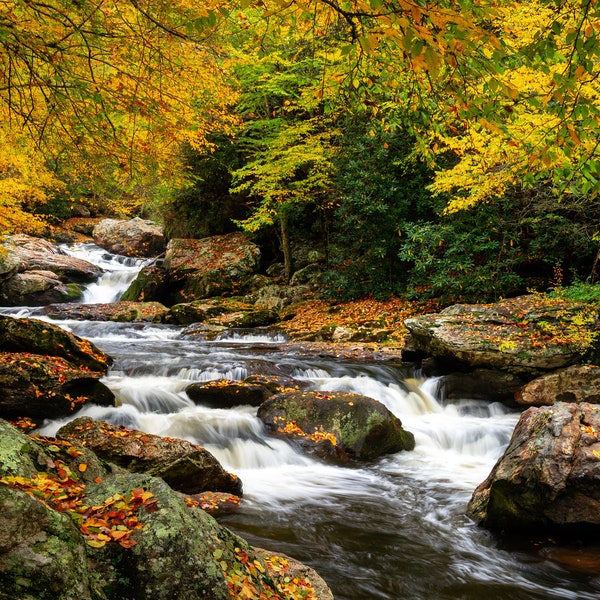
(127,543)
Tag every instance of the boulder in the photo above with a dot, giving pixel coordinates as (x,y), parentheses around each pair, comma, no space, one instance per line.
(47,387)
(122,312)
(549,476)
(33,272)
(579,383)
(335,425)
(150,284)
(47,372)
(133,237)
(42,255)
(37,288)
(278,297)
(186,467)
(88,531)
(526,335)
(38,337)
(212,266)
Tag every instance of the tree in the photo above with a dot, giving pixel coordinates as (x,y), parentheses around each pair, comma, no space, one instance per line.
(109,89)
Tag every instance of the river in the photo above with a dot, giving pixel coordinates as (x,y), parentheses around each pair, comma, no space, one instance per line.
(389,529)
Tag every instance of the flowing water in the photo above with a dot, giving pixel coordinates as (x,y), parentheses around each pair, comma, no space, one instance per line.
(390,529)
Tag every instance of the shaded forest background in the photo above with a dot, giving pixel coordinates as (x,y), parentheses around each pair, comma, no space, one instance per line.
(447,150)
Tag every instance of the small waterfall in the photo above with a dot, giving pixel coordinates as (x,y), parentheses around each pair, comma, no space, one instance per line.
(119,272)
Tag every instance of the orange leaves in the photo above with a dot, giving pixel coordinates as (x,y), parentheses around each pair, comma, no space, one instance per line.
(249,577)
(115,520)
(318,435)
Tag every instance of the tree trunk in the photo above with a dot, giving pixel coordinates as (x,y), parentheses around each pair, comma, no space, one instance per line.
(285,247)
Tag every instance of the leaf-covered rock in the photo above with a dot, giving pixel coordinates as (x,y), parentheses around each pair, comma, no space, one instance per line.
(336,424)
(549,475)
(75,528)
(528,335)
(222,393)
(39,337)
(186,467)
(47,387)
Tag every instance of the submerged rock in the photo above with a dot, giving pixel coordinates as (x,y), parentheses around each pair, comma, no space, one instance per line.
(336,424)
(549,476)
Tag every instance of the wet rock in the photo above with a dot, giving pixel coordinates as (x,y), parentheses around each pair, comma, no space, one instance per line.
(482,384)
(526,335)
(38,288)
(223,393)
(289,568)
(579,383)
(39,387)
(33,272)
(186,467)
(549,476)
(223,312)
(336,424)
(47,372)
(121,312)
(133,237)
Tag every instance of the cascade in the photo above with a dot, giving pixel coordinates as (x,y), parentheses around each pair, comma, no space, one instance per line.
(388,529)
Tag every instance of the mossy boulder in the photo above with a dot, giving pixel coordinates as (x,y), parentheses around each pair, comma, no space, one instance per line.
(336,424)
(150,284)
(213,266)
(108,534)
(222,312)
